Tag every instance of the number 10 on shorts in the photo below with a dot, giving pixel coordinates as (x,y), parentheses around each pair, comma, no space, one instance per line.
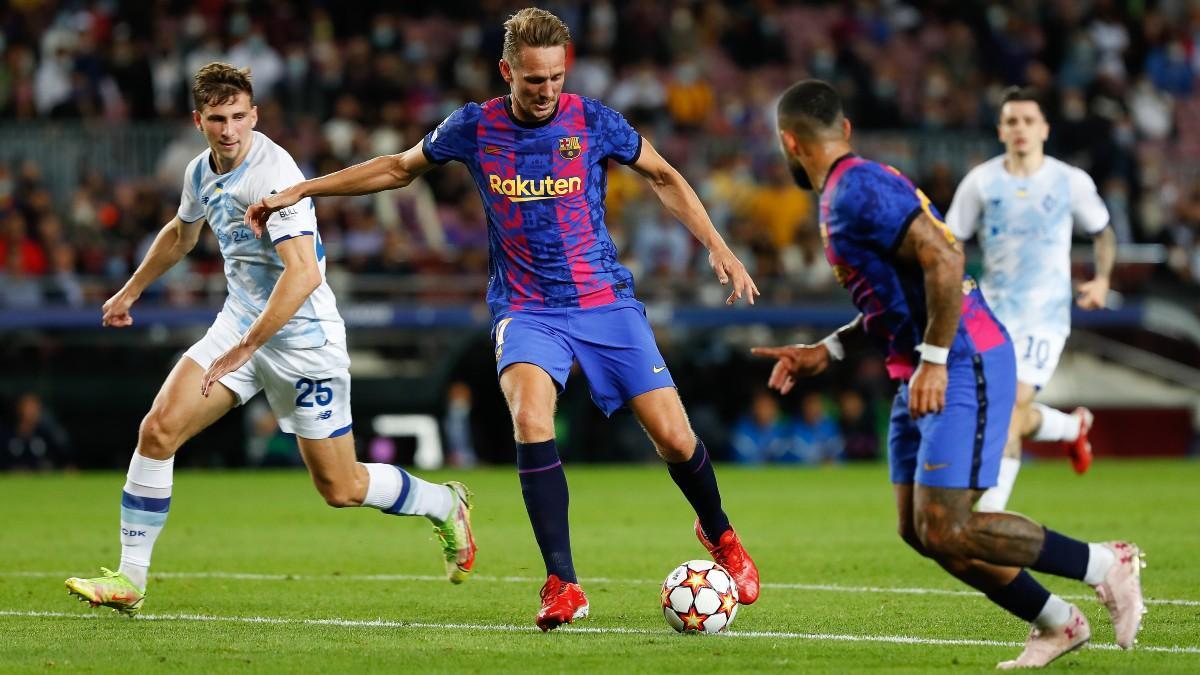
(307,388)
(1037,350)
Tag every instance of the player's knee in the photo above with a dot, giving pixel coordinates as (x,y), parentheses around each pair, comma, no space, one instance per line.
(677,445)
(157,438)
(532,426)
(908,532)
(938,537)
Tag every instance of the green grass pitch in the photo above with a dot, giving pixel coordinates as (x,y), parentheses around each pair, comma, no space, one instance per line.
(253,573)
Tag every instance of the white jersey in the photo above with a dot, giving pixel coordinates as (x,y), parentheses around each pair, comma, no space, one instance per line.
(1024,225)
(252,267)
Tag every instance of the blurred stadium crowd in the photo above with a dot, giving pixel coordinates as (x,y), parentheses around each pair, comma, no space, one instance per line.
(337,83)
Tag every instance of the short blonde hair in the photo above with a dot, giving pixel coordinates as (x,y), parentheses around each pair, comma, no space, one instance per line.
(533,27)
(217,83)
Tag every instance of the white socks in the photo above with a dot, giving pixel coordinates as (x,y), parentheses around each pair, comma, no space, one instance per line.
(144,505)
(1100,560)
(1055,613)
(394,490)
(996,499)
(1056,425)
(383,485)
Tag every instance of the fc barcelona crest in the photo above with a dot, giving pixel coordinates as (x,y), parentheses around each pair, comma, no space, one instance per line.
(569,147)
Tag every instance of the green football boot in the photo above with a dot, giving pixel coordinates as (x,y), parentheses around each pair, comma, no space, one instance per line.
(458,544)
(112,589)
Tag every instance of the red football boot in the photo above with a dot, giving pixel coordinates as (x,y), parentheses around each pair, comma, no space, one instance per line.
(731,555)
(1080,449)
(562,602)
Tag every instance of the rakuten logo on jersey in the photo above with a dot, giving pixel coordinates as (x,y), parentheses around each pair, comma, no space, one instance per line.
(519,189)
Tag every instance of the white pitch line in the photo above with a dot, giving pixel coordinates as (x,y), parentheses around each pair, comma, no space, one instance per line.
(509,628)
(832,588)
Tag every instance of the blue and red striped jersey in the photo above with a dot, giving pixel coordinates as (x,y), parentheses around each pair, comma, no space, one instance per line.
(866,209)
(543,187)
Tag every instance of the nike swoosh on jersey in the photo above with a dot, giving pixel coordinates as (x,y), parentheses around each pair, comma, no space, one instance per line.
(659,369)
(935,467)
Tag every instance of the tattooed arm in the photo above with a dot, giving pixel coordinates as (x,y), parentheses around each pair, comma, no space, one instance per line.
(930,245)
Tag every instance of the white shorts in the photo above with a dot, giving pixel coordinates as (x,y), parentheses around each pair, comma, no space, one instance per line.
(308,389)
(1038,353)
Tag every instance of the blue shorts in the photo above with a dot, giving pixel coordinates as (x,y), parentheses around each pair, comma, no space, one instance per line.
(613,344)
(961,446)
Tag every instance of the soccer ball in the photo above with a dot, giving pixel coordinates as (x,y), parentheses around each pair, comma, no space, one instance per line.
(699,596)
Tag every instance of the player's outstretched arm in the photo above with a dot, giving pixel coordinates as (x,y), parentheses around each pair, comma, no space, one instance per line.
(386,172)
(931,245)
(680,199)
(793,361)
(301,276)
(170,246)
(1094,294)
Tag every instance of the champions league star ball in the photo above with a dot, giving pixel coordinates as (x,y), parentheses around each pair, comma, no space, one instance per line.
(699,596)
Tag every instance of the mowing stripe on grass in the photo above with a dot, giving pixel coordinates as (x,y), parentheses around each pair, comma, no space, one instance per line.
(508,628)
(832,588)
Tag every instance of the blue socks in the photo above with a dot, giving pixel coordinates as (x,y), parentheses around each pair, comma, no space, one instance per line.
(698,482)
(544,487)
(1062,556)
(1026,598)
(1023,596)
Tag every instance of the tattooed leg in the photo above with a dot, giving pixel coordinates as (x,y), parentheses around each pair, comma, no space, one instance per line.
(947,525)
(976,573)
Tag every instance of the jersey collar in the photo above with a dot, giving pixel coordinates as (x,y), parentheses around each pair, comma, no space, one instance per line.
(530,125)
(833,166)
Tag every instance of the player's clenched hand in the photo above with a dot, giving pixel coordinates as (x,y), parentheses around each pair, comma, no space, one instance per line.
(1093,294)
(257,214)
(793,361)
(730,269)
(116,310)
(927,390)
(224,364)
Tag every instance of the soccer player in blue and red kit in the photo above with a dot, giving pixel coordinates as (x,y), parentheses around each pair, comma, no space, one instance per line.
(957,374)
(557,294)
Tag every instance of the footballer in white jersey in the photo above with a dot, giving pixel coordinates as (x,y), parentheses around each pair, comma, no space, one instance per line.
(1024,226)
(1024,208)
(310,346)
(279,332)
(252,266)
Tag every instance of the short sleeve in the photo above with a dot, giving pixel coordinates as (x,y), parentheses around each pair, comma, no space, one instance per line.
(1088,209)
(190,208)
(966,207)
(455,138)
(613,135)
(875,205)
(300,218)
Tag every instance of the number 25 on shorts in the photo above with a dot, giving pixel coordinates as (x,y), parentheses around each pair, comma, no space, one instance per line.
(307,387)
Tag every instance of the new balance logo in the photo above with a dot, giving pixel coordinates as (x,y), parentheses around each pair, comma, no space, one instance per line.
(325,414)
(133,533)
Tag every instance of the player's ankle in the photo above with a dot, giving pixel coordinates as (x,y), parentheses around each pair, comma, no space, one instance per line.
(1100,561)
(1055,614)
(138,575)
